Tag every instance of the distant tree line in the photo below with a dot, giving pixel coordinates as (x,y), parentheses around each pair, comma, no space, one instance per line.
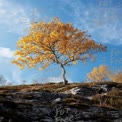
(103,73)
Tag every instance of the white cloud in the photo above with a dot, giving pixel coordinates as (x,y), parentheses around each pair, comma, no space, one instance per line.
(6,52)
(11,15)
(16,18)
(54,80)
(10,71)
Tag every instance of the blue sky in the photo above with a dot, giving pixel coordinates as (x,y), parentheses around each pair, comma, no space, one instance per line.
(102,19)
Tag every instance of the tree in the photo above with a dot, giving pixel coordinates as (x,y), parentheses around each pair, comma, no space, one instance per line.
(99,74)
(55,42)
(117,77)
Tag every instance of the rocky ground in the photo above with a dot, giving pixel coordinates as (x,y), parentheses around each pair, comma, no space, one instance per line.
(76,102)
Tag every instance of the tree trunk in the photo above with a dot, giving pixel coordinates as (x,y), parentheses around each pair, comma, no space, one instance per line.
(63,75)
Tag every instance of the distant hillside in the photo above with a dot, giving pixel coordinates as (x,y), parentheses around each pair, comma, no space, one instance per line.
(55,102)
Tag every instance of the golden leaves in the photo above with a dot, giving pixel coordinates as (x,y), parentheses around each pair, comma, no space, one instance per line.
(117,77)
(99,74)
(74,62)
(44,66)
(21,66)
(55,42)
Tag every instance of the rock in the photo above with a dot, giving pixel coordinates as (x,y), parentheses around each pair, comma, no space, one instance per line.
(86,92)
(102,88)
(74,91)
(1,118)
(57,100)
(44,106)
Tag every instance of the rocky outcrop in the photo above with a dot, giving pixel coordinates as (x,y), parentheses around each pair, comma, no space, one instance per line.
(46,106)
(89,91)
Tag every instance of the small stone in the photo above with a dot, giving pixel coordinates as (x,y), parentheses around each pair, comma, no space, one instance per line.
(57,100)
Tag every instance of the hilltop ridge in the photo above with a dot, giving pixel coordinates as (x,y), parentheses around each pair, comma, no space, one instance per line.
(56,102)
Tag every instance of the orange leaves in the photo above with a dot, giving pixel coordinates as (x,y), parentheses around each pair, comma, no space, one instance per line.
(18,64)
(17,53)
(102,73)
(44,66)
(54,35)
(117,77)
(55,42)
(74,62)
(99,74)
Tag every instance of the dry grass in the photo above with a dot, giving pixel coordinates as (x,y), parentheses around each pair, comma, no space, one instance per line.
(53,87)
(112,99)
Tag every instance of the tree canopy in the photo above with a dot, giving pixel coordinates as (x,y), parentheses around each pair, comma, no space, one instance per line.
(116,77)
(99,74)
(55,42)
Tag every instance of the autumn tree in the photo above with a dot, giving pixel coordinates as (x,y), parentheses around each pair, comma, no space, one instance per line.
(55,42)
(116,77)
(99,74)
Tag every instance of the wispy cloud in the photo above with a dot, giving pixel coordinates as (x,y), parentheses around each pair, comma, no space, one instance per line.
(11,15)
(104,24)
(6,52)
(16,18)
(11,72)
(54,80)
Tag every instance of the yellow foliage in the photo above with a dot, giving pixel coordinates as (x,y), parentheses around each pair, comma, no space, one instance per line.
(99,74)
(54,42)
(74,62)
(117,77)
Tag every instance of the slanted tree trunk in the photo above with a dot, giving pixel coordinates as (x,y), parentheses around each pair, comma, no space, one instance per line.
(64,74)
